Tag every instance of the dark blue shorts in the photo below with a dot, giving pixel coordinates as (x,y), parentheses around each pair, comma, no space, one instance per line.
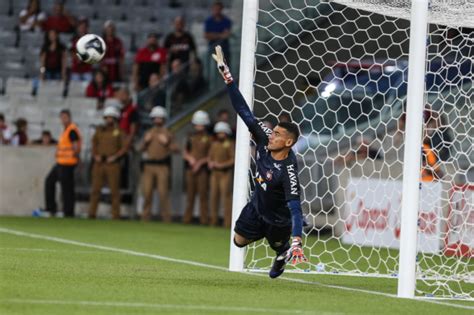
(252,226)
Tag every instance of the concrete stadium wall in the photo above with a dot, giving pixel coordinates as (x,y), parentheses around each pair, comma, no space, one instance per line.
(22,174)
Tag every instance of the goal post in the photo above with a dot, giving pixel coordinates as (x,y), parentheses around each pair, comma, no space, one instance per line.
(242,152)
(413,143)
(382,92)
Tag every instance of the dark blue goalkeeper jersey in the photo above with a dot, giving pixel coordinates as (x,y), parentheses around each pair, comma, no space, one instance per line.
(277,190)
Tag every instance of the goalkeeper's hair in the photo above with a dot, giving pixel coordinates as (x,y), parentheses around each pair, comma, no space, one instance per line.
(292,129)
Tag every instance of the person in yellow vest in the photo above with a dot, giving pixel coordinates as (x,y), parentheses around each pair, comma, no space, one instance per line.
(67,157)
(221,162)
(430,169)
(158,145)
(197,174)
(109,144)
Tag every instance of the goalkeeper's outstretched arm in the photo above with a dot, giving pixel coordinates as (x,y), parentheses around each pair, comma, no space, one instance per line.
(258,129)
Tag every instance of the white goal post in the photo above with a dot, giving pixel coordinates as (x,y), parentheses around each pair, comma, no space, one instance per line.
(379,89)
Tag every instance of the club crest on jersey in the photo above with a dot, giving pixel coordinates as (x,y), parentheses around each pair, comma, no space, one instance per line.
(269,175)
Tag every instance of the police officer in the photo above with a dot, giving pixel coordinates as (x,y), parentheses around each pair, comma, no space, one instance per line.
(220,162)
(67,157)
(158,146)
(108,146)
(197,174)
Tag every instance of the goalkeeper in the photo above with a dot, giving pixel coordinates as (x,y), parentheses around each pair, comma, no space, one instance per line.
(274,211)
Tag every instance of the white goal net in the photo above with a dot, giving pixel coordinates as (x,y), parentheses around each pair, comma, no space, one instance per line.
(339,69)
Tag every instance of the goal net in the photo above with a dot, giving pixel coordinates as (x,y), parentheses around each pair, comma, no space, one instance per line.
(339,69)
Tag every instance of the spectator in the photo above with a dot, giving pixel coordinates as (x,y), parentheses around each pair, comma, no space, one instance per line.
(46,139)
(220,162)
(217,30)
(392,141)
(361,150)
(195,79)
(180,44)
(430,169)
(284,117)
(52,57)
(99,88)
(158,145)
(113,62)
(60,20)
(268,124)
(149,59)
(5,131)
(108,147)
(128,123)
(439,135)
(223,115)
(153,95)
(80,71)
(197,174)
(20,137)
(67,157)
(178,84)
(32,18)
(128,120)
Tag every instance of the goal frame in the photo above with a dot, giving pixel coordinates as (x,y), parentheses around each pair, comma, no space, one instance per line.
(412,156)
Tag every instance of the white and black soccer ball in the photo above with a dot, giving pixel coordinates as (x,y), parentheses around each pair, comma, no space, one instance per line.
(90,48)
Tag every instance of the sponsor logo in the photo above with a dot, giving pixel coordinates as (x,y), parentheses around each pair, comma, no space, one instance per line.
(293,179)
(277,166)
(259,179)
(265,129)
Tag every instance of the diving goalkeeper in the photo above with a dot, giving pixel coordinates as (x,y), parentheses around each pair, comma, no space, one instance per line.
(274,211)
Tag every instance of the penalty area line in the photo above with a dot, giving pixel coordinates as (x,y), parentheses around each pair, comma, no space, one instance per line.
(204,265)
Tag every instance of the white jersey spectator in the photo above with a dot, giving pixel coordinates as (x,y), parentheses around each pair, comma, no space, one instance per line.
(5,131)
(32,18)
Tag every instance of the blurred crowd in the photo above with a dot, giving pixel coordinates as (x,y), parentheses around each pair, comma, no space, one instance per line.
(436,144)
(170,64)
(164,70)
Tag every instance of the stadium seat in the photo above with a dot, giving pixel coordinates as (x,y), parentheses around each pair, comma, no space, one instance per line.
(17,85)
(51,88)
(28,39)
(77,88)
(7,38)
(84,10)
(8,23)
(11,54)
(114,13)
(4,8)
(82,102)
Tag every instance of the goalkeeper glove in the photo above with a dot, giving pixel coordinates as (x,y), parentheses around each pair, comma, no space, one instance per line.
(296,254)
(222,66)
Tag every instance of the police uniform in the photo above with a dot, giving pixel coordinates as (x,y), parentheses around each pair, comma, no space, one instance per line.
(107,141)
(198,146)
(156,167)
(63,171)
(221,151)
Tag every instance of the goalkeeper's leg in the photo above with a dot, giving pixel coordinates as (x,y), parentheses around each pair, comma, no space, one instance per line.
(249,227)
(279,240)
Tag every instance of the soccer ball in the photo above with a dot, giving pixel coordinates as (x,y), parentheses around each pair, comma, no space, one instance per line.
(90,48)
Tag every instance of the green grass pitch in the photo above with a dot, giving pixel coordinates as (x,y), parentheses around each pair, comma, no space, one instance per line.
(130,267)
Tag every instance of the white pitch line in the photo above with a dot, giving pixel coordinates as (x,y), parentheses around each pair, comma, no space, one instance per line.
(110,249)
(204,265)
(49,250)
(186,307)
